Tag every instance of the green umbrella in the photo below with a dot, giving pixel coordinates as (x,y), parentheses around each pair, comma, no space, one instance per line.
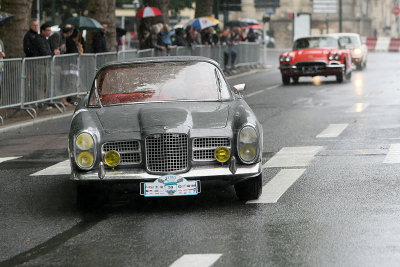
(83,23)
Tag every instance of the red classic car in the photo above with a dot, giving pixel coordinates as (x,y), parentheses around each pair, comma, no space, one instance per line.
(316,56)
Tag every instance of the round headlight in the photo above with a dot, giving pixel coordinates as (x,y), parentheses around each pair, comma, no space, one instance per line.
(248,153)
(288,58)
(222,154)
(282,58)
(337,57)
(84,141)
(112,158)
(85,159)
(357,51)
(330,57)
(248,135)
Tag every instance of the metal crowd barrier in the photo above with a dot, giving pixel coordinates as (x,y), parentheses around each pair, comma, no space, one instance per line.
(28,82)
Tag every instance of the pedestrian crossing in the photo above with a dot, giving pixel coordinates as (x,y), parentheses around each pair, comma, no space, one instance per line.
(196,260)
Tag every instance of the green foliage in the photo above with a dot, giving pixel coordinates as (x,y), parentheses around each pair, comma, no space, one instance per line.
(177,5)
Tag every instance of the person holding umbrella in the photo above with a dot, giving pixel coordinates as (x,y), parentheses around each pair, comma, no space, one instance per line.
(99,40)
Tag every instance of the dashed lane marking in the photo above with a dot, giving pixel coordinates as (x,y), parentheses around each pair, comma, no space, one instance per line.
(293,157)
(61,168)
(393,156)
(196,260)
(7,159)
(358,107)
(260,91)
(333,130)
(275,188)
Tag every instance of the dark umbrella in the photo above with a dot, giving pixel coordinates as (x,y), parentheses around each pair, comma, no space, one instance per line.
(4,17)
(236,23)
(120,32)
(83,23)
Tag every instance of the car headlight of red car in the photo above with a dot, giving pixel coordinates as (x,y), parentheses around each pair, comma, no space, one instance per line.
(285,58)
(248,144)
(84,150)
(334,56)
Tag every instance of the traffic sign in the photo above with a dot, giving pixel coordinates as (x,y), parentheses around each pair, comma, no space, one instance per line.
(396,10)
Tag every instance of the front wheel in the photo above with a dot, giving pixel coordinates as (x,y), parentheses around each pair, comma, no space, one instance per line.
(295,79)
(249,189)
(285,80)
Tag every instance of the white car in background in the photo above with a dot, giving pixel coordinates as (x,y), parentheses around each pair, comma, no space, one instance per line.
(359,51)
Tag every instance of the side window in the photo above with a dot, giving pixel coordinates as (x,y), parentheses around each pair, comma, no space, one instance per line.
(225,91)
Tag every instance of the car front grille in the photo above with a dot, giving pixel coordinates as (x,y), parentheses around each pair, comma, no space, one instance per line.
(203,148)
(128,150)
(310,66)
(167,152)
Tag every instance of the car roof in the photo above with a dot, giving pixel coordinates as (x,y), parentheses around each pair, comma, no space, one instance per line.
(158,60)
(343,34)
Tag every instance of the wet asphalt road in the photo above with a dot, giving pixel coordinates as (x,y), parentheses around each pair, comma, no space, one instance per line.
(342,211)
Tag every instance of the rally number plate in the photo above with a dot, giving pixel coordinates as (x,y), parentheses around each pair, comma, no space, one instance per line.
(170,185)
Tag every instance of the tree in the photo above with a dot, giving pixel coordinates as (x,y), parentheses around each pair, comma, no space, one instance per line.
(204,8)
(13,31)
(163,5)
(104,12)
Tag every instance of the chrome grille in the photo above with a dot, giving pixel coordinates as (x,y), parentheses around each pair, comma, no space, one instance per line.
(203,148)
(167,152)
(128,150)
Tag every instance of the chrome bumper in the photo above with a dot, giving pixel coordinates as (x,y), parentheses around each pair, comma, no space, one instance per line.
(199,173)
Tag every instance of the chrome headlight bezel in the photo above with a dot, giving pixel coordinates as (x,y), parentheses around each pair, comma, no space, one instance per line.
(78,150)
(253,143)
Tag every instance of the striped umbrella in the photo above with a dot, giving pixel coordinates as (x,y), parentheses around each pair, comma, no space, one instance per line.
(148,11)
(204,22)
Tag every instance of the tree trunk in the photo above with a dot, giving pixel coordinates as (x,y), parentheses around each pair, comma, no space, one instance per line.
(13,32)
(204,8)
(163,5)
(104,12)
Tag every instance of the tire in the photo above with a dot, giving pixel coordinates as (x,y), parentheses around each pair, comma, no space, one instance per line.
(249,189)
(285,80)
(359,66)
(341,75)
(91,196)
(295,79)
(348,76)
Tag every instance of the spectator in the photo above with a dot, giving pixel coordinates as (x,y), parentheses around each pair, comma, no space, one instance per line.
(226,39)
(166,37)
(145,42)
(251,36)
(99,40)
(180,37)
(29,39)
(210,37)
(2,55)
(42,43)
(58,39)
(192,36)
(156,41)
(73,45)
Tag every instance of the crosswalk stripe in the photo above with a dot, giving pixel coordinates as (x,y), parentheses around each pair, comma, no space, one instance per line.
(196,260)
(393,156)
(333,130)
(358,107)
(275,188)
(293,157)
(60,168)
(7,159)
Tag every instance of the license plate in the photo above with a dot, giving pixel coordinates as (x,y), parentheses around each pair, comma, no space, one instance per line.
(308,70)
(170,185)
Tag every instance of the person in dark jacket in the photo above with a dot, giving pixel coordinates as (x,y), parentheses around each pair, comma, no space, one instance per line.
(42,43)
(30,37)
(99,40)
(58,39)
(180,37)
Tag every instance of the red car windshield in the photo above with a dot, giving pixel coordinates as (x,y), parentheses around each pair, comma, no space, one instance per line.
(315,42)
(163,81)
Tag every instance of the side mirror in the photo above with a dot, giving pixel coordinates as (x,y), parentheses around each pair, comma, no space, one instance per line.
(239,88)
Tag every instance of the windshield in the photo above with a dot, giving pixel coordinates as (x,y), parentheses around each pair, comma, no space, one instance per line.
(315,42)
(350,40)
(163,81)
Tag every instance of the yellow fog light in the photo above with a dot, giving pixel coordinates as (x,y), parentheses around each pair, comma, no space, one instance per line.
(222,154)
(85,159)
(112,158)
(248,153)
(84,141)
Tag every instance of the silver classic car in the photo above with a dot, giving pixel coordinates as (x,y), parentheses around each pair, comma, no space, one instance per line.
(169,125)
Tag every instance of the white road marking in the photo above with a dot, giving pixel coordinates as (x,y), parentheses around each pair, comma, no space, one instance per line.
(7,159)
(293,157)
(60,168)
(260,91)
(275,188)
(333,130)
(393,156)
(358,107)
(196,260)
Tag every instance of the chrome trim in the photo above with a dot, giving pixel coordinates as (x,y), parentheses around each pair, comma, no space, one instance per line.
(200,172)
(209,148)
(124,152)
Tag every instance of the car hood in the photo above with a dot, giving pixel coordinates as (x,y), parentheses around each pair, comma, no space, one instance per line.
(311,54)
(178,117)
